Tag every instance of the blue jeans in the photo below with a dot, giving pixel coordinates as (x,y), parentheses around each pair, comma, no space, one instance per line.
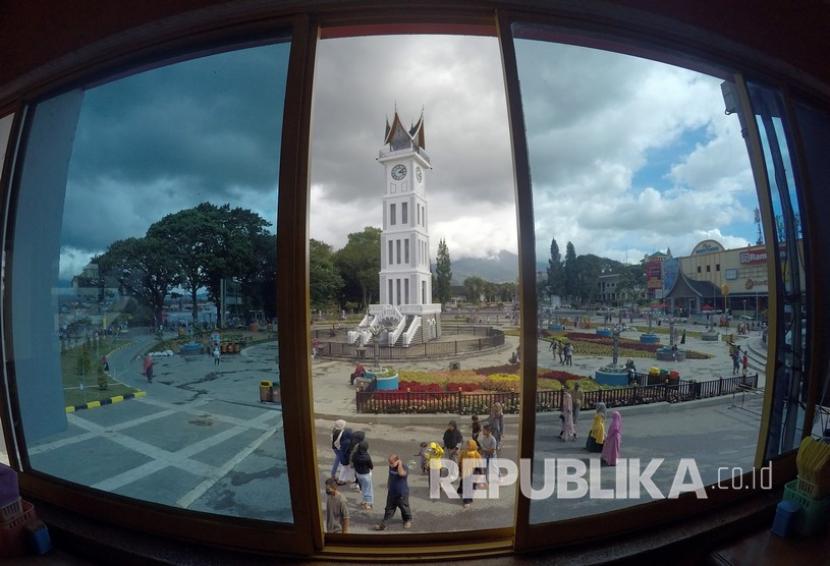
(366,487)
(337,455)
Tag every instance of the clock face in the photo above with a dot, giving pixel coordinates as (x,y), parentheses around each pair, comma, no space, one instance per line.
(398,172)
(419,174)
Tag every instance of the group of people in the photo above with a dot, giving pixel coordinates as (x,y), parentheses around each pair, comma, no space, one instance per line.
(598,440)
(564,351)
(352,467)
(740,360)
(607,443)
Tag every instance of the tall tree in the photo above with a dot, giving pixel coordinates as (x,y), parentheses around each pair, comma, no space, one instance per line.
(359,264)
(474,287)
(554,286)
(146,268)
(443,273)
(192,234)
(569,273)
(235,248)
(325,281)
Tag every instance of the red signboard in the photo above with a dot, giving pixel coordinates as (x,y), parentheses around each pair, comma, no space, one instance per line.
(652,269)
(753,257)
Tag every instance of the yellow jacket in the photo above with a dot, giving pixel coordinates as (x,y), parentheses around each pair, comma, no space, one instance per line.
(598,429)
(471,453)
(434,454)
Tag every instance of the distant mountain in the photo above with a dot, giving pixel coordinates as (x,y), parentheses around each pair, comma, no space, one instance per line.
(503,268)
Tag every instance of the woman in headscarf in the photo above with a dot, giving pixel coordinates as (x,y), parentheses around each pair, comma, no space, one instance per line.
(596,437)
(362,463)
(568,432)
(345,474)
(497,421)
(469,453)
(336,434)
(611,448)
(434,453)
(347,470)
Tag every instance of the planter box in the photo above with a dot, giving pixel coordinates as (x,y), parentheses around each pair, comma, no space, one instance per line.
(648,338)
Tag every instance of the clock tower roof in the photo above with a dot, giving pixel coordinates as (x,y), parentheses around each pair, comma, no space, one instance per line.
(399,137)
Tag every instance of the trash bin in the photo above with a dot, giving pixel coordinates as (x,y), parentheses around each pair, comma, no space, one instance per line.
(275,395)
(265,391)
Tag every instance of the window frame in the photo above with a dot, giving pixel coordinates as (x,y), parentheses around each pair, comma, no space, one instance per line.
(241,532)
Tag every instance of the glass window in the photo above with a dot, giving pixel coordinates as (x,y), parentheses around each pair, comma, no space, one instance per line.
(143,285)
(814,126)
(408,332)
(5,132)
(631,162)
(392,214)
(789,396)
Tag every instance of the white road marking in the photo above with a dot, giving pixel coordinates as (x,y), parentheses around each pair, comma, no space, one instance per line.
(60,443)
(198,491)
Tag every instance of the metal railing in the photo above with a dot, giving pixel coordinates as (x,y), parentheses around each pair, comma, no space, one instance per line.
(390,402)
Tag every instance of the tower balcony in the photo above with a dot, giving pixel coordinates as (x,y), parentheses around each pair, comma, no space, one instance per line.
(384,155)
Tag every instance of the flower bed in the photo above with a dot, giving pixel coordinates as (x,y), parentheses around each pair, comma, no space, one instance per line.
(593,345)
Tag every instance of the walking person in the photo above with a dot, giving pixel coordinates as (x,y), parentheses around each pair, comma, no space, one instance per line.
(488,444)
(567,432)
(337,511)
(148,368)
(578,399)
(561,354)
(613,441)
(569,352)
(596,438)
(497,421)
(471,453)
(476,428)
(336,435)
(744,364)
(452,441)
(345,472)
(736,360)
(362,463)
(217,355)
(397,495)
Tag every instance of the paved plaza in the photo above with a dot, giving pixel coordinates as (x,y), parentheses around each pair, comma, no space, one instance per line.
(201,440)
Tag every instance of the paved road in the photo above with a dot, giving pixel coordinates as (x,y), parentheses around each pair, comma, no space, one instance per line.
(198,440)
(201,440)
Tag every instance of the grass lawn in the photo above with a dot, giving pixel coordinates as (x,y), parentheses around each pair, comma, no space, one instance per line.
(72,392)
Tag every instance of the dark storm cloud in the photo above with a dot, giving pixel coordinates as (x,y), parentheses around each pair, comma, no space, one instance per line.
(169,138)
(457,80)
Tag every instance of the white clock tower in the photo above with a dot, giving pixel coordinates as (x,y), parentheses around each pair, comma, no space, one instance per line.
(406,309)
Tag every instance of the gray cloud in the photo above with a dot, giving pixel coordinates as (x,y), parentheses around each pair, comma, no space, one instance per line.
(159,141)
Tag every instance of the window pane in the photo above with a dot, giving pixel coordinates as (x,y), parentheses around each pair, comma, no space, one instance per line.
(391,326)
(143,286)
(640,185)
(814,126)
(787,414)
(5,131)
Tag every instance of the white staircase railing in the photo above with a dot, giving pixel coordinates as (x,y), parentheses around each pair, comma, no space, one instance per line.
(395,334)
(365,321)
(414,326)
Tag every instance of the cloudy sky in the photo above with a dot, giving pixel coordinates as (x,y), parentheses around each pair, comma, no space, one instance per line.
(170,138)
(627,155)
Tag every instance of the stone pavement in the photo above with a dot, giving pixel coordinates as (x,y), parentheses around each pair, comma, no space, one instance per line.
(333,396)
(717,433)
(201,440)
